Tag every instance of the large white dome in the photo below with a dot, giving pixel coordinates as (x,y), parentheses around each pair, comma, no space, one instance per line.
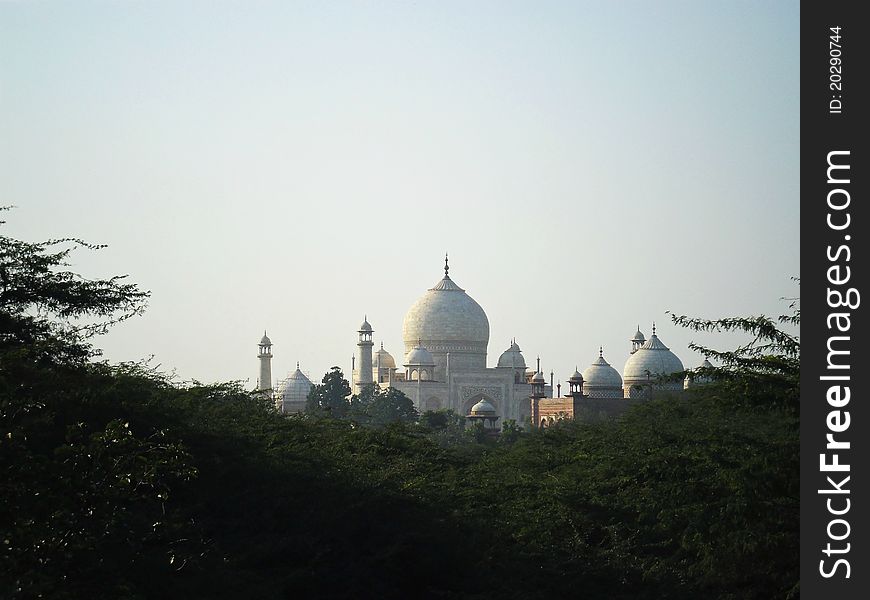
(447,320)
(650,361)
(601,380)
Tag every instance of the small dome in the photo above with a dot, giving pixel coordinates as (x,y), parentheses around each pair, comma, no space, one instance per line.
(512,357)
(539,378)
(419,356)
(638,336)
(577,376)
(365,325)
(483,408)
(265,341)
(601,375)
(293,391)
(651,360)
(384,358)
(694,378)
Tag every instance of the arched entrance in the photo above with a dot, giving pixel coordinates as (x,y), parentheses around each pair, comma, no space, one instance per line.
(432,403)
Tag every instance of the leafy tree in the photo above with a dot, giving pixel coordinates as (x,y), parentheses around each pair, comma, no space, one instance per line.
(766,370)
(440,419)
(477,432)
(84,481)
(446,426)
(359,403)
(510,432)
(376,406)
(330,397)
(392,406)
(49,312)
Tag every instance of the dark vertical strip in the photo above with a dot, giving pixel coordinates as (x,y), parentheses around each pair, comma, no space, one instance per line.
(835,225)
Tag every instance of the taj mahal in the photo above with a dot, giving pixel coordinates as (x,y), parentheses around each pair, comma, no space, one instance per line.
(444,366)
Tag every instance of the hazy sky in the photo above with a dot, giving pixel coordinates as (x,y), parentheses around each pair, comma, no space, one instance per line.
(295,165)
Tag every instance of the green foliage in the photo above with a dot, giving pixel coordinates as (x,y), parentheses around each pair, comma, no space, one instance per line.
(681,497)
(376,406)
(477,432)
(49,312)
(442,419)
(765,370)
(446,427)
(330,397)
(84,481)
(361,401)
(510,432)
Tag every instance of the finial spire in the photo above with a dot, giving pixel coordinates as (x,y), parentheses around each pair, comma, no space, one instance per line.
(600,351)
(297,365)
(446,266)
(382,345)
(654,327)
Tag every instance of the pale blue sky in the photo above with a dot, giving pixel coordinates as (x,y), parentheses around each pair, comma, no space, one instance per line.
(296,165)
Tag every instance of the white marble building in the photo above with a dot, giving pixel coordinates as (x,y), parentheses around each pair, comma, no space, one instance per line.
(649,360)
(446,338)
(291,393)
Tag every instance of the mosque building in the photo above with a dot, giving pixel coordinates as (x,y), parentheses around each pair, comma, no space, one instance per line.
(291,393)
(444,366)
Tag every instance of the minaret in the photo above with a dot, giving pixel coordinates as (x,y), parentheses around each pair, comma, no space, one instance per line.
(378,365)
(538,384)
(364,352)
(575,386)
(265,356)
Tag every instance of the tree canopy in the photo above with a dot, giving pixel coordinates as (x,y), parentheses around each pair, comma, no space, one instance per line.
(85,474)
(376,406)
(330,397)
(52,312)
(766,369)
